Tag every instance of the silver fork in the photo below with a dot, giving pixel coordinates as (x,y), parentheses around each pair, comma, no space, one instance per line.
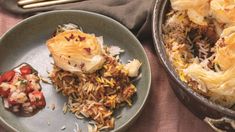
(26,4)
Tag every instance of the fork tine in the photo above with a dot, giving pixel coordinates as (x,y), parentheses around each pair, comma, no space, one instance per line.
(48,3)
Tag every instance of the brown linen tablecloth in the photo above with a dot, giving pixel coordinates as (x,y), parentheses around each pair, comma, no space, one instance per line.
(163,111)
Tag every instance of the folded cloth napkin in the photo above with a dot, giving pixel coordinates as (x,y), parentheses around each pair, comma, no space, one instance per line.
(134,14)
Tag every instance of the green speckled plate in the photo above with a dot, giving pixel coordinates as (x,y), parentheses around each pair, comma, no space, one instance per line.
(26,43)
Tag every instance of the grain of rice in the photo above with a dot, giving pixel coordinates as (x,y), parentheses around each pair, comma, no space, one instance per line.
(92,122)
(104,128)
(53,106)
(77,128)
(45,80)
(63,128)
(97,116)
(48,123)
(119,116)
(84,114)
(91,128)
(107,115)
(65,108)
(78,116)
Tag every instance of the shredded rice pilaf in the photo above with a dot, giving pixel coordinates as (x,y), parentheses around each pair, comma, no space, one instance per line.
(187,43)
(98,94)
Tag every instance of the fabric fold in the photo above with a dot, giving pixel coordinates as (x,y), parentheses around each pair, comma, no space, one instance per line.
(134,14)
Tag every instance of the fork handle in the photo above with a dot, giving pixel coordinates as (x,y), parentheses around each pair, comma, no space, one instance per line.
(25,2)
(48,3)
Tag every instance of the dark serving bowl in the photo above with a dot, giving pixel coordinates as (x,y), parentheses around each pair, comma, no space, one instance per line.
(218,117)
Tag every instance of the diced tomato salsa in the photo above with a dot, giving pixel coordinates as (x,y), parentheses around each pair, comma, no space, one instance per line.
(20,89)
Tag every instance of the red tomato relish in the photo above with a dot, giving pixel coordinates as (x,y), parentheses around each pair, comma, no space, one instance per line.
(21,91)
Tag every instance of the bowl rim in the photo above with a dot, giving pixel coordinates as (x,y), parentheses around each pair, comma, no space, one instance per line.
(93,14)
(157,22)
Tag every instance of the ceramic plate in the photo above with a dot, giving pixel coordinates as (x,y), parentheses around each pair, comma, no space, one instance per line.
(26,43)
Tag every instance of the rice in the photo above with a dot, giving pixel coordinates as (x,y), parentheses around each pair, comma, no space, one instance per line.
(77,129)
(199,40)
(63,128)
(187,43)
(95,95)
(65,108)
